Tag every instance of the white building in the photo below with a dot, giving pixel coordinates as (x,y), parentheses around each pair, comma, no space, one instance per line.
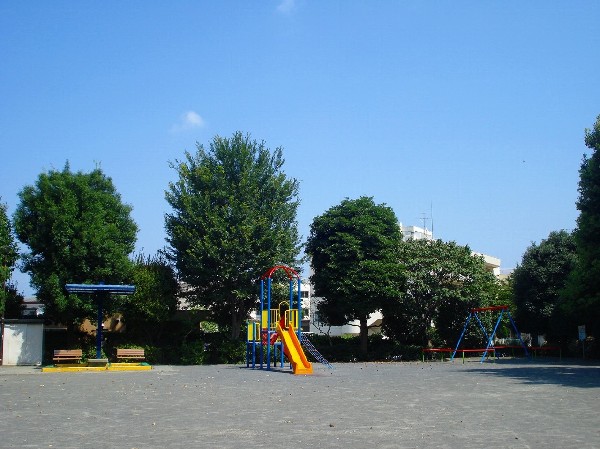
(416,233)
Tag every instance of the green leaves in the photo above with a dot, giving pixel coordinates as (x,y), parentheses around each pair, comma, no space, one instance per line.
(582,304)
(8,255)
(353,250)
(443,281)
(539,280)
(77,230)
(234,216)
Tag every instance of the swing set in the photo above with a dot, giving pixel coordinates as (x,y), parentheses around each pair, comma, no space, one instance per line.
(474,313)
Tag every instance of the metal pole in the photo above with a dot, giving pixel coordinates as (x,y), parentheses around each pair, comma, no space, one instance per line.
(299,310)
(491,338)
(269,323)
(291,301)
(518,333)
(461,336)
(262,304)
(99,328)
(487,337)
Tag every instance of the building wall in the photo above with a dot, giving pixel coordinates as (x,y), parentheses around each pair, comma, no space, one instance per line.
(23,342)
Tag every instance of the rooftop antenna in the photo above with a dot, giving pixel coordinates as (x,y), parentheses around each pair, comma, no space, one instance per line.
(431,215)
(424,217)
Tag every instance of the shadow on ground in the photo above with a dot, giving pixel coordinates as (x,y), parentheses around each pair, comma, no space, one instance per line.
(578,375)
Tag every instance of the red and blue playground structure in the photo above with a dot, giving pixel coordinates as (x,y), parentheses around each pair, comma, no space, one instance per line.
(503,310)
(278,332)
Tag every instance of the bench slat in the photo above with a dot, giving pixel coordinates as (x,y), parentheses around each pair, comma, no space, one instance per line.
(67,354)
(129,353)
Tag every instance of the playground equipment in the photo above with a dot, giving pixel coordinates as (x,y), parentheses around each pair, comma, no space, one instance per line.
(278,331)
(490,337)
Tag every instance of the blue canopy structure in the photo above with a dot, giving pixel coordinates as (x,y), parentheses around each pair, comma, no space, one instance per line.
(96,289)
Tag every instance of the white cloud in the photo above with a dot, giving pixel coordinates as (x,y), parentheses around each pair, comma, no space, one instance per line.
(188,120)
(286,6)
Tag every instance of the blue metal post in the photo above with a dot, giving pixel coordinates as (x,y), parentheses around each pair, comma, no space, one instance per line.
(491,338)
(262,304)
(299,311)
(483,329)
(518,333)
(99,329)
(461,336)
(291,300)
(268,323)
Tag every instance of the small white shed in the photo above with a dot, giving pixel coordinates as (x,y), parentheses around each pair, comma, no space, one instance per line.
(22,342)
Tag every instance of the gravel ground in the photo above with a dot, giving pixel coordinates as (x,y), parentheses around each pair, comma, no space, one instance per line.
(507,404)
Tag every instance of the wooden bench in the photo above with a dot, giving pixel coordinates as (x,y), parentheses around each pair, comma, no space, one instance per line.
(68,355)
(130,353)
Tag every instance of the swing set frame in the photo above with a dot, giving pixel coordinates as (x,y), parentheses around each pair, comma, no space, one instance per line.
(504,310)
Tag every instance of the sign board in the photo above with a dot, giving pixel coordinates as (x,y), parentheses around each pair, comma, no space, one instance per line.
(581,330)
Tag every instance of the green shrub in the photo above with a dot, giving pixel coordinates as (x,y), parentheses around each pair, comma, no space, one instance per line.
(347,349)
(89,352)
(192,353)
(222,350)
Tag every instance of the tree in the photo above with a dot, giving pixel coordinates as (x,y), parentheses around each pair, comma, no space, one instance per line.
(155,299)
(8,256)
(14,302)
(444,280)
(234,216)
(353,251)
(540,278)
(78,231)
(583,291)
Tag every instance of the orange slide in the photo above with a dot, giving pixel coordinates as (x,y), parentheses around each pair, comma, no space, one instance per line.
(293,351)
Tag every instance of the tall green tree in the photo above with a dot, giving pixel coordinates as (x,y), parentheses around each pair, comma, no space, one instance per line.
(8,255)
(539,280)
(234,216)
(78,231)
(353,251)
(583,303)
(155,299)
(444,280)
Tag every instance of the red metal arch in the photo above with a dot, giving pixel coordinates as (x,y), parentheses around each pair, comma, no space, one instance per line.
(489,309)
(290,272)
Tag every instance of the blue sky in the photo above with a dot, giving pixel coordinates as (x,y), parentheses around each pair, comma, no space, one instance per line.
(473,110)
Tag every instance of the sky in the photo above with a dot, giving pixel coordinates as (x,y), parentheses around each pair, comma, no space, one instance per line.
(467,116)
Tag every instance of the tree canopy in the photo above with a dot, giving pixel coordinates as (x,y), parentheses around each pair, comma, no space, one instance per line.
(155,299)
(444,280)
(539,280)
(233,217)
(78,231)
(353,250)
(8,255)
(582,304)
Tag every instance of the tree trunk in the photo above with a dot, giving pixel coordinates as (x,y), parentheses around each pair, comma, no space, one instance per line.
(364,338)
(236,324)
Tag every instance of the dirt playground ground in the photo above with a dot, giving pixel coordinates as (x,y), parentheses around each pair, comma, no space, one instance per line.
(507,404)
